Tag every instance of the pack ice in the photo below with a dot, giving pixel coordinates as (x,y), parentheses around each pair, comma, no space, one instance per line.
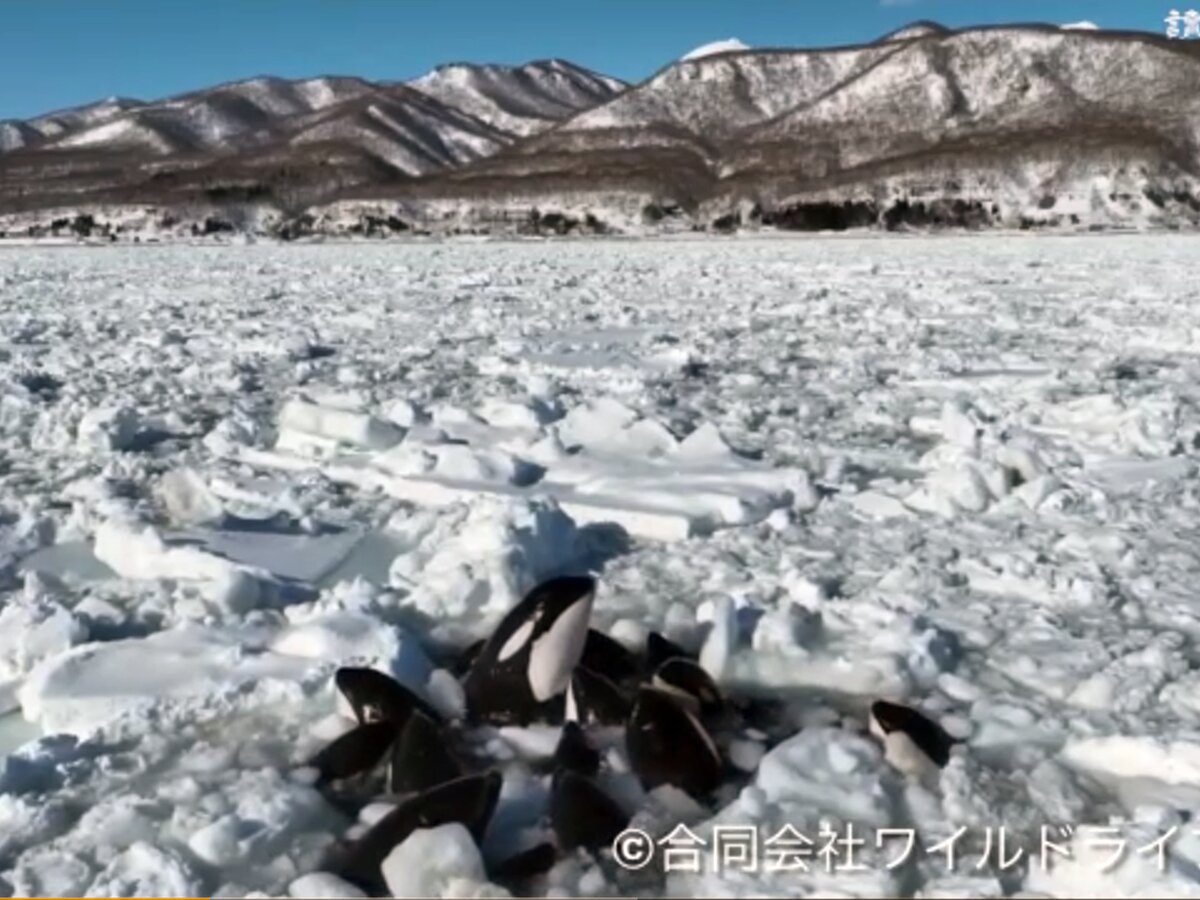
(956,473)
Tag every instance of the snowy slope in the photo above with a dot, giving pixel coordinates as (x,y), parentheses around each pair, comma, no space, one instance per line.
(15,134)
(993,69)
(514,100)
(999,116)
(221,118)
(282,140)
(955,472)
(726,93)
(56,124)
(412,132)
(521,100)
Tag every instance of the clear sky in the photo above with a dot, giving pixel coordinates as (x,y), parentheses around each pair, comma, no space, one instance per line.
(59,53)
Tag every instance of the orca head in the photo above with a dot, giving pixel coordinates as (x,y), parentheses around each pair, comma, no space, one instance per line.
(894,723)
(691,684)
(887,717)
(666,744)
(529,658)
(659,650)
(374,696)
(552,632)
(421,758)
(486,795)
(356,752)
(581,814)
(608,657)
(470,801)
(592,698)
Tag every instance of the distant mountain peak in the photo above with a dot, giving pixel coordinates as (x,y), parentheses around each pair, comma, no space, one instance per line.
(729,45)
(1080,26)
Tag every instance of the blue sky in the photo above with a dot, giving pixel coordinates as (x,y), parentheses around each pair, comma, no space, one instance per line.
(59,53)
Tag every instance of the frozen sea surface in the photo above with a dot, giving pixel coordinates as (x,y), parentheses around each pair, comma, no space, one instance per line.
(959,472)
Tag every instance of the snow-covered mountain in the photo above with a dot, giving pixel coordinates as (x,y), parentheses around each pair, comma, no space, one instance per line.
(408,129)
(1026,125)
(216,119)
(52,126)
(265,139)
(998,123)
(15,134)
(470,110)
(521,100)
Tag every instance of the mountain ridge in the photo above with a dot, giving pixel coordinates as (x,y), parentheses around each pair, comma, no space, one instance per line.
(1027,125)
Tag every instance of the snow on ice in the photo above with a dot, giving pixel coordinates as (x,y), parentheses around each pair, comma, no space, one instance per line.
(954,472)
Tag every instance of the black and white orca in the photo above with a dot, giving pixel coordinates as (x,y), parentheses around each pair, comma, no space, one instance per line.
(607,657)
(581,814)
(527,864)
(528,660)
(668,745)
(594,699)
(469,800)
(356,752)
(421,757)
(374,696)
(574,753)
(659,650)
(691,684)
(913,743)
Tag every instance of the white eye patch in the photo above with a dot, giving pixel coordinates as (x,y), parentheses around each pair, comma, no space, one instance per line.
(517,640)
(556,652)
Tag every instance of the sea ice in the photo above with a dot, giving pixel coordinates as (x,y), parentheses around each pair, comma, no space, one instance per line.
(953,471)
(430,861)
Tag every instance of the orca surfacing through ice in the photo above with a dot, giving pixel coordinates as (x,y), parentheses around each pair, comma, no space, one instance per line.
(529,658)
